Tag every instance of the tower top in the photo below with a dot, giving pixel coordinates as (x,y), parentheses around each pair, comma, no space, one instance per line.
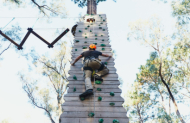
(91,7)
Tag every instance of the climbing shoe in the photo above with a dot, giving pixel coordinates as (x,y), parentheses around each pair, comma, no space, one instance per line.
(87,93)
(98,78)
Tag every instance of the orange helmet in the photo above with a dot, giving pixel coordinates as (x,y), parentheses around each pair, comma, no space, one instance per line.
(92,46)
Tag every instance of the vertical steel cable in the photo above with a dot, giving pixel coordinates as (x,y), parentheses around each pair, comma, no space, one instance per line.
(8,23)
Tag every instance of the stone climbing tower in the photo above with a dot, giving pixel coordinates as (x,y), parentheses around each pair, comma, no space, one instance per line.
(109,110)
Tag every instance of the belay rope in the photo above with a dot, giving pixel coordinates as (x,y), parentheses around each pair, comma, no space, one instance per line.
(8,23)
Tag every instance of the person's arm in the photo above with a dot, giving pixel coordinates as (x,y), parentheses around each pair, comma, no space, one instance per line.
(105,55)
(76,60)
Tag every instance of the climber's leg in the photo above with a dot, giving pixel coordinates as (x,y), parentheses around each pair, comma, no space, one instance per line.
(88,85)
(101,73)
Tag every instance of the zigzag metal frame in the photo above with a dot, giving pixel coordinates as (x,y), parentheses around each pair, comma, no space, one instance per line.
(30,30)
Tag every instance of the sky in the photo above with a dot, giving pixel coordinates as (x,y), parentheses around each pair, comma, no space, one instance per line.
(14,103)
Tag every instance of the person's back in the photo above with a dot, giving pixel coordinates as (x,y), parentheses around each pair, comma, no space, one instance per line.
(90,53)
(92,63)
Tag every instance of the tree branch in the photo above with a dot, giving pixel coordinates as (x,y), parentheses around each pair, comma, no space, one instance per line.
(5,49)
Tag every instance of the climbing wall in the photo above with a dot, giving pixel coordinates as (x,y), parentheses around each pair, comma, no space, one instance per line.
(106,103)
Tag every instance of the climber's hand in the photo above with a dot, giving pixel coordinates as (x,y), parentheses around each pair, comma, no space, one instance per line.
(73,64)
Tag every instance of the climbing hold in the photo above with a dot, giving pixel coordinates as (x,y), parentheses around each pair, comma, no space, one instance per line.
(99,98)
(102,39)
(95,43)
(104,20)
(82,98)
(80,31)
(85,33)
(84,48)
(112,93)
(91,23)
(74,77)
(103,49)
(99,89)
(98,82)
(112,104)
(91,114)
(102,45)
(96,38)
(90,30)
(74,89)
(99,15)
(96,35)
(101,23)
(75,49)
(76,41)
(86,28)
(106,63)
(101,120)
(115,121)
(100,27)
(85,36)
(85,42)
(102,35)
(103,29)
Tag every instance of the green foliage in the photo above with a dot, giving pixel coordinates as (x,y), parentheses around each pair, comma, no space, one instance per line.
(83,3)
(48,95)
(169,61)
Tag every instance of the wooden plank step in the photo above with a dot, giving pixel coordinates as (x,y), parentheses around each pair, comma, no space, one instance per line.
(87,32)
(105,82)
(96,86)
(84,109)
(108,75)
(97,94)
(82,43)
(113,115)
(92,120)
(104,99)
(73,72)
(81,65)
(79,69)
(80,50)
(90,104)
(90,38)
(82,78)
(104,90)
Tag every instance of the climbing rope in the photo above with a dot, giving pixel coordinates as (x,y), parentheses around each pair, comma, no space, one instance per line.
(8,23)
(35,23)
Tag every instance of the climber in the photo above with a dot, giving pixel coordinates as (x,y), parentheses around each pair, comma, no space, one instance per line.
(74,29)
(92,62)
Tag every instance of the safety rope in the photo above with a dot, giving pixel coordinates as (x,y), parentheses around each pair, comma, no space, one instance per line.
(9,23)
(94,98)
(35,23)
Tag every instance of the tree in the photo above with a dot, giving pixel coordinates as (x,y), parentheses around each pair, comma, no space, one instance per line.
(152,33)
(91,5)
(14,34)
(138,104)
(181,11)
(48,8)
(39,92)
